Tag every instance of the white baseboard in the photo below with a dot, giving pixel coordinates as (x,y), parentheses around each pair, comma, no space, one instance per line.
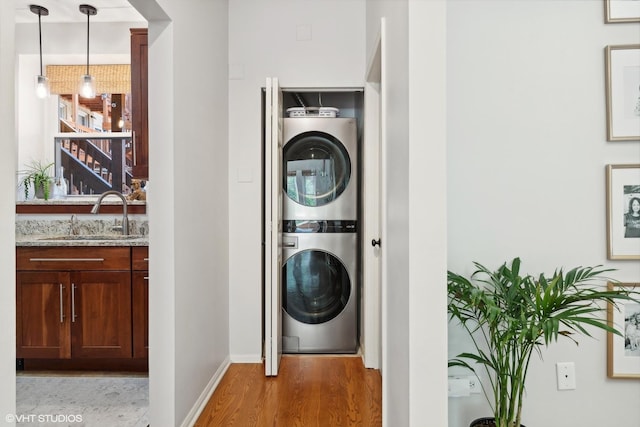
(206,394)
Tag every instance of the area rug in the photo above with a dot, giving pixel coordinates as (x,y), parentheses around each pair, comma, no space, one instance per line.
(81,401)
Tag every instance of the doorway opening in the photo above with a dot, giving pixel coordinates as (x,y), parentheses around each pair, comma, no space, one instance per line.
(315,172)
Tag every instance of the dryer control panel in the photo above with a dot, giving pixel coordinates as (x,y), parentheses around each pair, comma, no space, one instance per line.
(319,226)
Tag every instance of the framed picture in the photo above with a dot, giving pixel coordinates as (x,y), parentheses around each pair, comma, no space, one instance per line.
(621,11)
(623,352)
(623,211)
(622,70)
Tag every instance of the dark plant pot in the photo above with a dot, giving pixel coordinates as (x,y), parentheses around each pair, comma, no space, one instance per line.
(486,422)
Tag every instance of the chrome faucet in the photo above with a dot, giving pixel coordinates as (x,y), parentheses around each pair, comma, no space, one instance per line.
(73,225)
(125,219)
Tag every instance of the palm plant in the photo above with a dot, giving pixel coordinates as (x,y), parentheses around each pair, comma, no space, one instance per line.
(508,316)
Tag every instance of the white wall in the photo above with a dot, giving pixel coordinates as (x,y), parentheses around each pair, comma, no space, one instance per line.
(188,206)
(427,212)
(527,151)
(7,212)
(263,43)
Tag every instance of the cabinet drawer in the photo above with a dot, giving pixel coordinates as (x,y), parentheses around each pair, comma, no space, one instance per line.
(140,258)
(73,258)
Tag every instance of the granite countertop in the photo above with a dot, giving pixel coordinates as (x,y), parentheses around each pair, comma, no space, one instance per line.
(80,232)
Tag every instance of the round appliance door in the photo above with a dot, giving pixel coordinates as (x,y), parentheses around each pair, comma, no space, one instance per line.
(316,286)
(317,168)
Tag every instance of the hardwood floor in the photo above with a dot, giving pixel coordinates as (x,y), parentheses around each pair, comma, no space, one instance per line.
(309,391)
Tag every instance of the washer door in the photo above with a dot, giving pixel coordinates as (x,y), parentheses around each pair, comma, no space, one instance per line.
(316,286)
(317,168)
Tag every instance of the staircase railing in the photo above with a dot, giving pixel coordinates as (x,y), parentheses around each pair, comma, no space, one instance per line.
(93,162)
(70,126)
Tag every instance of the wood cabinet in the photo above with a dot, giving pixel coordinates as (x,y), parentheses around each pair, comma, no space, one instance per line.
(42,315)
(139,102)
(140,291)
(101,314)
(73,302)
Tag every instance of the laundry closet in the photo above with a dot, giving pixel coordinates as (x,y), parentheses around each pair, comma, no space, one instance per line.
(314,143)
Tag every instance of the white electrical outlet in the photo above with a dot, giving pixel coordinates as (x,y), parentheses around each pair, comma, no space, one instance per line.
(474,385)
(566,373)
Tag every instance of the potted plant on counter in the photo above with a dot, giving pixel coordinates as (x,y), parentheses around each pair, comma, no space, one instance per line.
(37,177)
(508,316)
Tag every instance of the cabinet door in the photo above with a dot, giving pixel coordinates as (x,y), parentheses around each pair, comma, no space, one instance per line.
(140,308)
(43,315)
(139,102)
(101,314)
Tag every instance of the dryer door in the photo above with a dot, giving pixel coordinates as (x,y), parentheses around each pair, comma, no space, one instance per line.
(317,169)
(316,286)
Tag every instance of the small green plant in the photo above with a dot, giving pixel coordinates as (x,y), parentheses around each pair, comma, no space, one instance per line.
(509,316)
(38,177)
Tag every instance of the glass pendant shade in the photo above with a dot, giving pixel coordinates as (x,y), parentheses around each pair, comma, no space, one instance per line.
(87,87)
(42,87)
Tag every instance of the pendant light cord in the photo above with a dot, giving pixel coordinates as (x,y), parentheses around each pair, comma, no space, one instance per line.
(87,43)
(40,36)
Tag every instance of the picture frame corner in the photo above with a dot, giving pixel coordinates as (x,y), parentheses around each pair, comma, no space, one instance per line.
(615,12)
(621,365)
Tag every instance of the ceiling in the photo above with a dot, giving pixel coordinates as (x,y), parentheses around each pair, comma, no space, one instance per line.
(68,11)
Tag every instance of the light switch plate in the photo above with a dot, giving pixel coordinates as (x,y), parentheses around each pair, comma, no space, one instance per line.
(566,373)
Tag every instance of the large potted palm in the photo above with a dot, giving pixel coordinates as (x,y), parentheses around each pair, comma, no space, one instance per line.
(509,316)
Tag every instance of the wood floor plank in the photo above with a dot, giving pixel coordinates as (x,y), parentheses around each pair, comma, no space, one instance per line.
(309,391)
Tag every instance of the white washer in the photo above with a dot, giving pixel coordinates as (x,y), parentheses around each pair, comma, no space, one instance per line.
(320,165)
(319,287)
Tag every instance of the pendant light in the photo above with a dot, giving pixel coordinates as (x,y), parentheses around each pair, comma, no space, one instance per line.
(42,83)
(88,82)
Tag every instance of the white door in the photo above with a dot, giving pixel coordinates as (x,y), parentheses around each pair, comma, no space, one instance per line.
(273,228)
(374,194)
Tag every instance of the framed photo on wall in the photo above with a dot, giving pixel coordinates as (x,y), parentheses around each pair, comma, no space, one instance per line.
(622,71)
(623,211)
(623,352)
(621,11)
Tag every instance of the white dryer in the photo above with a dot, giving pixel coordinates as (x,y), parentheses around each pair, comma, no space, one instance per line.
(320,168)
(319,287)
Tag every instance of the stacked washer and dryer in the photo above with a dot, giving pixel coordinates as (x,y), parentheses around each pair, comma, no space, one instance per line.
(320,244)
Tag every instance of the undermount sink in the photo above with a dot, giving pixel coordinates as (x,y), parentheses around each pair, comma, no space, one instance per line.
(96,237)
